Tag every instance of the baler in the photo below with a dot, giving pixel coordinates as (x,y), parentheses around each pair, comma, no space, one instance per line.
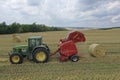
(67,48)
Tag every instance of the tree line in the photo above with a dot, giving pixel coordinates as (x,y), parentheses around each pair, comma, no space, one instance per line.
(23,28)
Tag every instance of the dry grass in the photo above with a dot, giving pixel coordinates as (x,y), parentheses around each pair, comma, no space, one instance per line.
(89,68)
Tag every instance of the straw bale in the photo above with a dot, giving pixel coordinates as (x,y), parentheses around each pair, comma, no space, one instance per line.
(97,50)
(17,38)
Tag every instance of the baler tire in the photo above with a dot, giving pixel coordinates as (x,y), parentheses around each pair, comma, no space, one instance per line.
(40,55)
(16,58)
(74,58)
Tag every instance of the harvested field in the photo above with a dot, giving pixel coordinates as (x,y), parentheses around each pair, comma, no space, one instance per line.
(87,68)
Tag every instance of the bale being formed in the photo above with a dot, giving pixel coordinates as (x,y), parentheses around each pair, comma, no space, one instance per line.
(97,50)
(16,38)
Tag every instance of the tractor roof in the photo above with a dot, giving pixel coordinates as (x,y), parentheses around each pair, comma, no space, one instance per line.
(34,37)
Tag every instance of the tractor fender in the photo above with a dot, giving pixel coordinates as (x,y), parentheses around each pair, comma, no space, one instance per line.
(41,46)
(10,53)
(46,46)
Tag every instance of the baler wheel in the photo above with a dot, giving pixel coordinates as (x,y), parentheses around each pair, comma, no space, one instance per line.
(40,55)
(74,58)
(16,58)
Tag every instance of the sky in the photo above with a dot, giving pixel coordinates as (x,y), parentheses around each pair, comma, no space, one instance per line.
(62,13)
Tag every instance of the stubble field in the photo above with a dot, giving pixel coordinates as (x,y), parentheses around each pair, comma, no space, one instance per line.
(87,68)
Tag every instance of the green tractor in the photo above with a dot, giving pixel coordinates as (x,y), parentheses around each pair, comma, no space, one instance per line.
(35,50)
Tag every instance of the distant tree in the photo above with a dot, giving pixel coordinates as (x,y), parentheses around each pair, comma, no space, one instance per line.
(22,28)
(3,28)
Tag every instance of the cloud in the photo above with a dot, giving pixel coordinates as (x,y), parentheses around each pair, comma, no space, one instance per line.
(115,19)
(82,13)
(35,2)
(100,15)
(113,5)
(103,10)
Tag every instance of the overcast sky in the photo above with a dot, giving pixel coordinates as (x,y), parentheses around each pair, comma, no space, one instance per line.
(62,13)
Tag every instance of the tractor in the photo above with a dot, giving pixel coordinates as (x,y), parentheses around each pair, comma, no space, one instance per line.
(35,51)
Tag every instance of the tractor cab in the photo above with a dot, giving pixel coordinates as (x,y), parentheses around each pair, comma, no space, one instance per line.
(33,42)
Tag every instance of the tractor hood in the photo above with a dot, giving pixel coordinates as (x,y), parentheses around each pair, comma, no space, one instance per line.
(20,48)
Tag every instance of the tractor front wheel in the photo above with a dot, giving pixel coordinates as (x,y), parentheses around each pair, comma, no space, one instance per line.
(16,58)
(40,55)
(74,58)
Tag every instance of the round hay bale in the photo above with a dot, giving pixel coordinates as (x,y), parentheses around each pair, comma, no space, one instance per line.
(17,38)
(97,50)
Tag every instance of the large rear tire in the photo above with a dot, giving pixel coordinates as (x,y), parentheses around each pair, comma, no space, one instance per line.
(40,55)
(16,58)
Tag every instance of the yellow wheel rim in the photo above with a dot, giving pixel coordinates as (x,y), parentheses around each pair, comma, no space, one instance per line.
(41,56)
(16,58)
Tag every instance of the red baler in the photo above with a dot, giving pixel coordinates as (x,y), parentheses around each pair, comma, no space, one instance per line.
(67,48)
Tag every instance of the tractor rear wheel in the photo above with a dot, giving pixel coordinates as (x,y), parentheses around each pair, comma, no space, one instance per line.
(40,55)
(74,58)
(16,58)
